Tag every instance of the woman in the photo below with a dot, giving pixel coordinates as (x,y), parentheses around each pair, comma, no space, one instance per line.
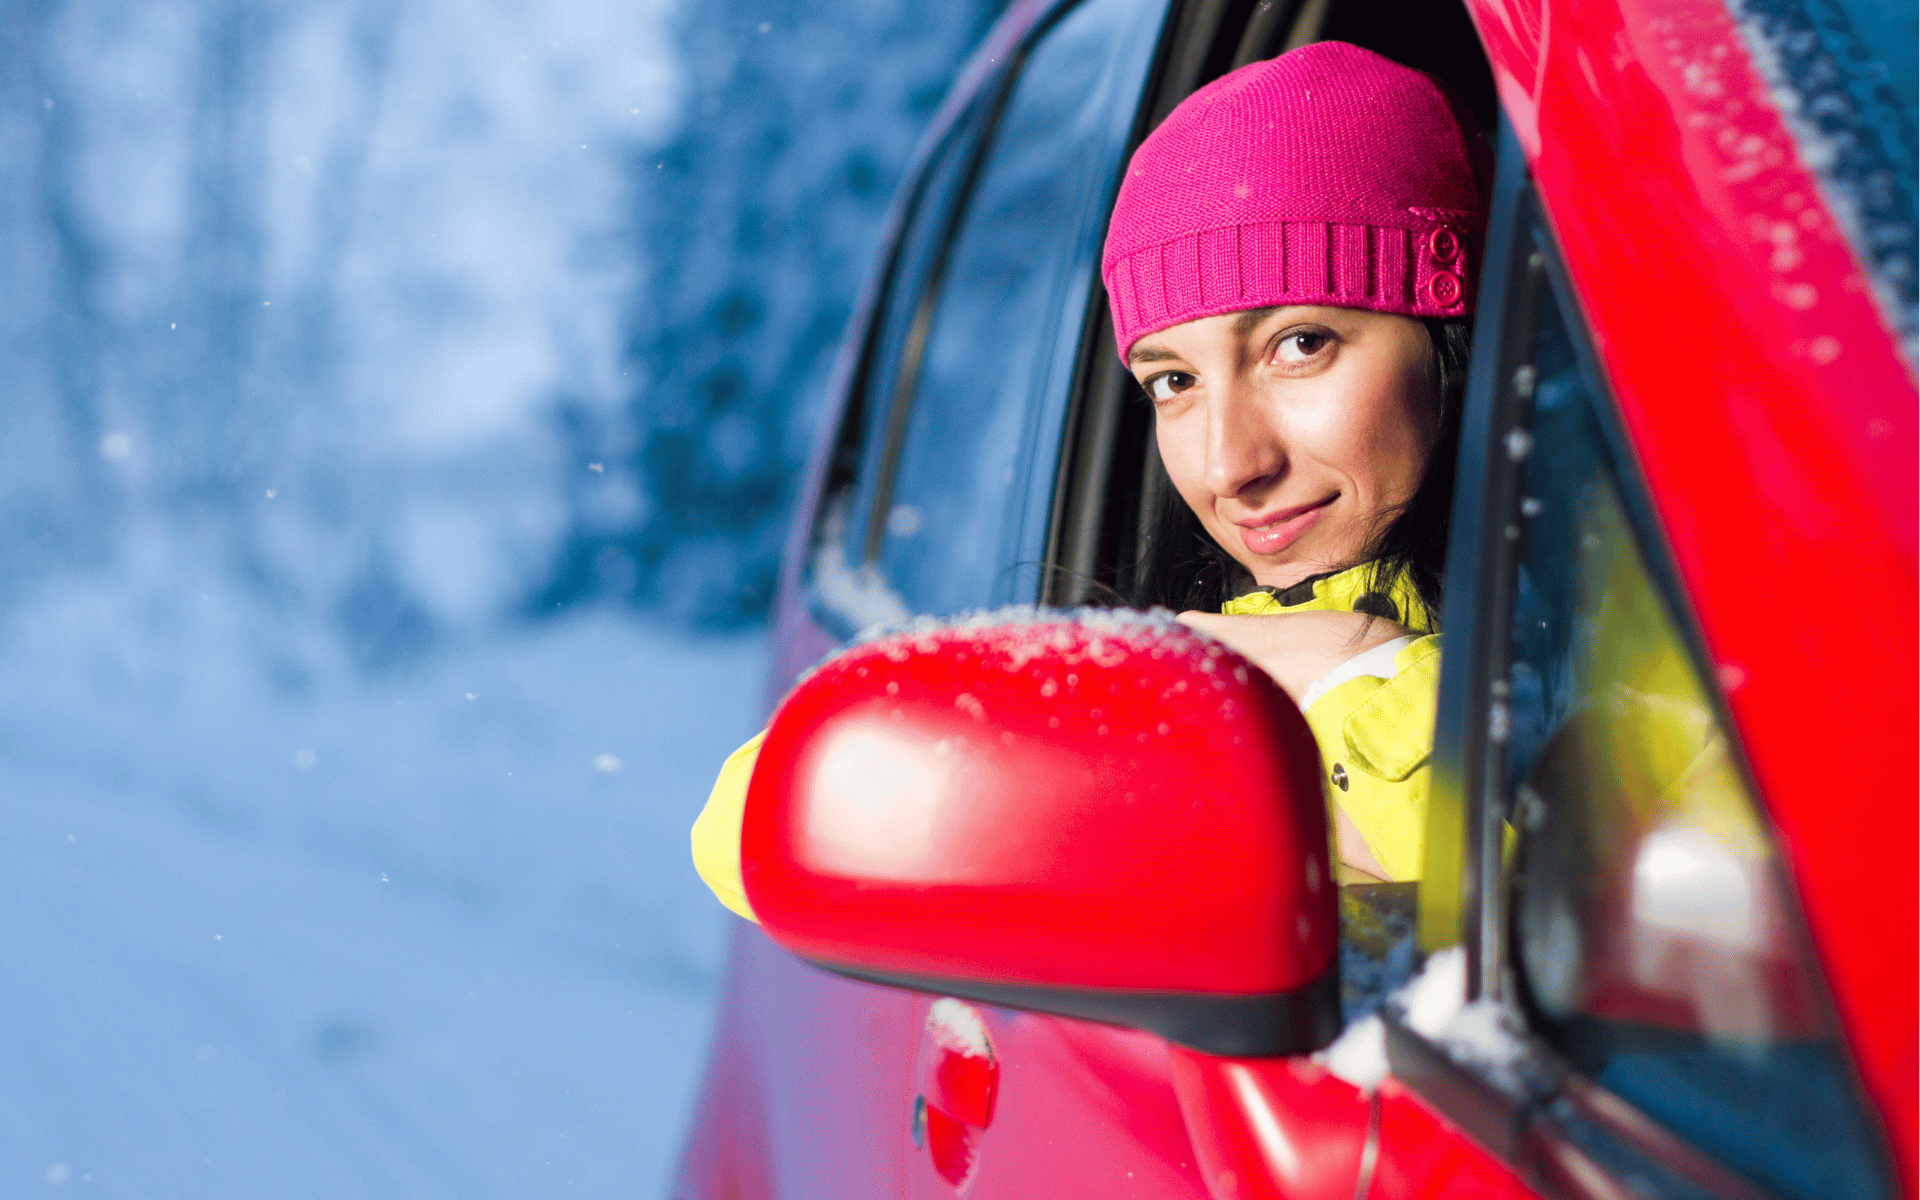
(1290,267)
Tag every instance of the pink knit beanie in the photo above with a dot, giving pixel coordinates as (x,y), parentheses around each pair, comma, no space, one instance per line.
(1328,175)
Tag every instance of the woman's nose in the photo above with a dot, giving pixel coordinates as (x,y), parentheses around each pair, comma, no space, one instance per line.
(1243,451)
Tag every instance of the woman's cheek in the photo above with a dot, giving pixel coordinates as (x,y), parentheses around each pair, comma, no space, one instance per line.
(1392,446)
(1181,454)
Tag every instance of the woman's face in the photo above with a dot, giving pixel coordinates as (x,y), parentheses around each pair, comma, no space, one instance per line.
(1294,433)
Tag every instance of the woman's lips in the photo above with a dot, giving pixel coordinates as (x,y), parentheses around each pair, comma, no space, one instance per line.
(1274,532)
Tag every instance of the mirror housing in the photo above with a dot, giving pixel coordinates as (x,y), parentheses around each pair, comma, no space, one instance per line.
(1111,817)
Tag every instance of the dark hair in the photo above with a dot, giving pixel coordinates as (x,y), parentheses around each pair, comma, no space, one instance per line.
(1182,567)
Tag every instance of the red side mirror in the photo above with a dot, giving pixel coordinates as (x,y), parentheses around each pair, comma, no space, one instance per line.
(1112,818)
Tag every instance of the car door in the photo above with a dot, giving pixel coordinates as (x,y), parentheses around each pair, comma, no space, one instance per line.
(1633,1008)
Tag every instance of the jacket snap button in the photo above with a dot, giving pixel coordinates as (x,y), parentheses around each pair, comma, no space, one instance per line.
(1444,287)
(1339,776)
(1445,245)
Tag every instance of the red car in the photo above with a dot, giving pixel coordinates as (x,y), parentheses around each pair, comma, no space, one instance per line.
(1092,949)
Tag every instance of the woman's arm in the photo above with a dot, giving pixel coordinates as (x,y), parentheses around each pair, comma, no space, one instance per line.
(1350,847)
(716,833)
(1298,649)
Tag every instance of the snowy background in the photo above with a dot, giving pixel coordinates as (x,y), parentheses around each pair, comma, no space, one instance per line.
(399,404)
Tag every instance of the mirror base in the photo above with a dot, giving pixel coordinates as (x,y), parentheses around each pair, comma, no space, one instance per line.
(1266,1026)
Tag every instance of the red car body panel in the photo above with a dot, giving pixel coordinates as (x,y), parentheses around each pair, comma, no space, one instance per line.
(1272,1129)
(1728,310)
(1424,1157)
(809,1091)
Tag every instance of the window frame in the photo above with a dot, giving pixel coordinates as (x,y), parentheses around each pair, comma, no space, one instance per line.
(1564,1133)
(979,119)
(906,380)
(974,124)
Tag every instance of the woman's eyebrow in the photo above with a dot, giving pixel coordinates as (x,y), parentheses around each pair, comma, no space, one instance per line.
(1147,354)
(1244,323)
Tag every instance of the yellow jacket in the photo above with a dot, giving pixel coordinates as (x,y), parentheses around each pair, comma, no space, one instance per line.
(1375,735)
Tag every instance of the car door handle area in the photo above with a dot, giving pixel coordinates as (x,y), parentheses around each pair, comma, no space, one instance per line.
(957,1082)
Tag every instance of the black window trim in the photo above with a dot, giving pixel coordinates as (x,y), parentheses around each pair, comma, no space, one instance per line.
(1481,557)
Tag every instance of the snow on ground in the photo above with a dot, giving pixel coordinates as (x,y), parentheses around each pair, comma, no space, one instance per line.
(323,870)
(430,936)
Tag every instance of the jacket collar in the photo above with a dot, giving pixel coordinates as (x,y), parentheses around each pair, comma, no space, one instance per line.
(1345,590)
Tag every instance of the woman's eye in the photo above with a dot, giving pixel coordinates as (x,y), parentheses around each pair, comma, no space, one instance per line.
(1167,385)
(1299,347)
